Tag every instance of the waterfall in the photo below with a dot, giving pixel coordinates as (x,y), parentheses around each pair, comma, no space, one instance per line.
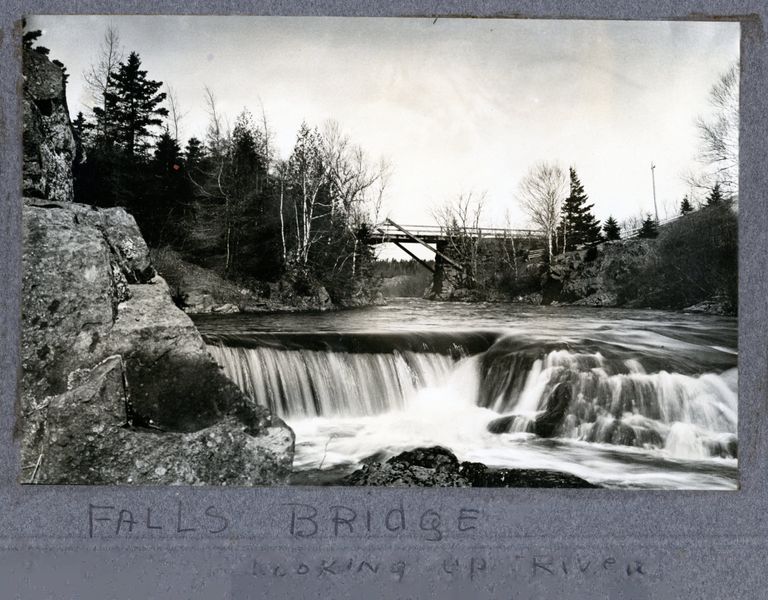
(611,399)
(615,401)
(307,383)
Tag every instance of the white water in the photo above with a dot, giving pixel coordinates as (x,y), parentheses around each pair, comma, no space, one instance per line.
(347,406)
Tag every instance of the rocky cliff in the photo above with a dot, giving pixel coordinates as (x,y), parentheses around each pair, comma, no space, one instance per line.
(117,385)
(594,276)
(49,143)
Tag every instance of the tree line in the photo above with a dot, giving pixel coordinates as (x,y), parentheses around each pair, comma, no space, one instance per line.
(226,200)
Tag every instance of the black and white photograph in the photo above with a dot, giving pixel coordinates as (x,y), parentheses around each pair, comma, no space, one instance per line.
(367,251)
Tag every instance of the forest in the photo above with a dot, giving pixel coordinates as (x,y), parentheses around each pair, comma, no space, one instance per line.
(226,201)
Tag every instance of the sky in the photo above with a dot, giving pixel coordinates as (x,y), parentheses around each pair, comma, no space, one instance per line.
(454,105)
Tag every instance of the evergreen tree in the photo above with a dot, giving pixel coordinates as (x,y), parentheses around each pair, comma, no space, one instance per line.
(194,153)
(650,228)
(577,225)
(685,206)
(30,36)
(83,129)
(133,103)
(715,196)
(611,229)
(162,209)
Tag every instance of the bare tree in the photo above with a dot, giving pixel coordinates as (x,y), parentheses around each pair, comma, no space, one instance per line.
(98,76)
(719,136)
(349,174)
(268,136)
(175,115)
(459,221)
(509,258)
(540,195)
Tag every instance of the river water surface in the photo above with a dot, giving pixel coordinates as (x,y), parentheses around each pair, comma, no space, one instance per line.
(653,394)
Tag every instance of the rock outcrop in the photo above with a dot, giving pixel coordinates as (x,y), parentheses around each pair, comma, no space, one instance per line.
(439,467)
(49,142)
(117,385)
(544,424)
(594,276)
(90,293)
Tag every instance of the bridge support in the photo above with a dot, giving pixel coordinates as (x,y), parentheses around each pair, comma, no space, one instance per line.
(442,282)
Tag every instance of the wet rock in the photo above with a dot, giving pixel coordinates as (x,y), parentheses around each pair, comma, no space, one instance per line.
(503,424)
(225,309)
(436,457)
(650,438)
(479,475)
(725,447)
(439,467)
(544,424)
(623,435)
(714,306)
(598,299)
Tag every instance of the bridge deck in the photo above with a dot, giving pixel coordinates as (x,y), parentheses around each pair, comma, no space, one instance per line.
(432,234)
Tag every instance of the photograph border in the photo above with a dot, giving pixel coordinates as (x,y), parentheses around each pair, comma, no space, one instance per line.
(689,538)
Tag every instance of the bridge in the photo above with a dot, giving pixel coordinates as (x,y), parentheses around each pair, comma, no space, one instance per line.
(389,231)
(438,238)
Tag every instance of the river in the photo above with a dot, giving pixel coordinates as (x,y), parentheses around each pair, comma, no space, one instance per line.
(652,398)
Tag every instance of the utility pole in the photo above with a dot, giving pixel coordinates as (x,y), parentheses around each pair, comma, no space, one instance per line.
(653,180)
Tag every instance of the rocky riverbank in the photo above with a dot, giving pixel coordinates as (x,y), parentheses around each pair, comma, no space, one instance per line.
(198,290)
(117,385)
(610,274)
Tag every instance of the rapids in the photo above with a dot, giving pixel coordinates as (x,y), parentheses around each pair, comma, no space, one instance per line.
(653,395)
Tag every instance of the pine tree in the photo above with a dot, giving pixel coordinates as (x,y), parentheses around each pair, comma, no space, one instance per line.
(715,196)
(577,225)
(163,205)
(133,103)
(650,228)
(194,153)
(611,229)
(31,36)
(685,206)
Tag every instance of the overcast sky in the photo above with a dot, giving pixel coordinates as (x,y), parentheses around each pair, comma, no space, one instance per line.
(455,105)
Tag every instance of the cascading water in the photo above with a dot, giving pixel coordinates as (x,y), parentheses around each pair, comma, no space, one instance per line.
(312,383)
(628,408)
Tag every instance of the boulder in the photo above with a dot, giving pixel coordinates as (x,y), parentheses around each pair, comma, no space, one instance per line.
(623,435)
(713,306)
(544,424)
(225,309)
(87,441)
(71,289)
(436,457)
(79,308)
(479,475)
(176,385)
(439,467)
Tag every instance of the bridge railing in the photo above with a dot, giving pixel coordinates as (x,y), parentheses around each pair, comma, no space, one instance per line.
(432,231)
